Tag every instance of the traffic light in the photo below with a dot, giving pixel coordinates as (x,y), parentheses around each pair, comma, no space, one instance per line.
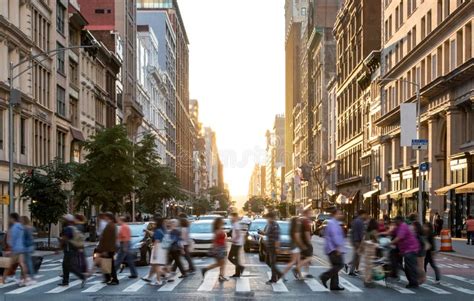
(5,200)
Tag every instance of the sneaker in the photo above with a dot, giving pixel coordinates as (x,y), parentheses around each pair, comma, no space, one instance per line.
(10,280)
(222,278)
(155,283)
(83,282)
(191,272)
(437,282)
(31,282)
(113,282)
(146,279)
(133,277)
(353,274)
(346,268)
(183,276)
(309,276)
(269,282)
(63,284)
(203,272)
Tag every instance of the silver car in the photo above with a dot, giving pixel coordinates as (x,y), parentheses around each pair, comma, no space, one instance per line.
(201,236)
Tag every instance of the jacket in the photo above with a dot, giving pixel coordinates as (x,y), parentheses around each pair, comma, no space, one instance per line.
(107,242)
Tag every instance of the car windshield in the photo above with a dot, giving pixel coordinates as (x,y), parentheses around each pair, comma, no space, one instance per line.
(137,230)
(284,228)
(257,226)
(323,217)
(227,222)
(208,217)
(201,228)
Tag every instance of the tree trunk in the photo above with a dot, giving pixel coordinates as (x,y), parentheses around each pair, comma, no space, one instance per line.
(49,235)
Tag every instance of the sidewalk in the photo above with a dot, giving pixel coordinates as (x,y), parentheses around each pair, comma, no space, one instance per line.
(462,250)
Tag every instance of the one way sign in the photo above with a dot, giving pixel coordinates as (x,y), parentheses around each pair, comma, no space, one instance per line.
(419,144)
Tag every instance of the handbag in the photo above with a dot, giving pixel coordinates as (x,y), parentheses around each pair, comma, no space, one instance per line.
(6,262)
(106,265)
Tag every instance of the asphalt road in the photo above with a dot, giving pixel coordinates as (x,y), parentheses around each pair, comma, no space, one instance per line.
(457,284)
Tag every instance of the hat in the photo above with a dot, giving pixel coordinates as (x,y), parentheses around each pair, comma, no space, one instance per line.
(68,217)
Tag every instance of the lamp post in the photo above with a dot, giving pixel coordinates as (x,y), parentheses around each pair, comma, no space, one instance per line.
(418,133)
(14,100)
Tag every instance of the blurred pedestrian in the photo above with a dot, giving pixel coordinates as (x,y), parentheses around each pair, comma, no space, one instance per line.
(176,248)
(159,252)
(107,248)
(423,246)
(29,248)
(430,252)
(70,242)
(237,237)
(357,237)
(334,248)
(369,251)
(470,230)
(296,246)
(101,224)
(184,228)
(218,251)
(272,232)
(80,224)
(124,254)
(408,247)
(438,223)
(16,242)
(306,247)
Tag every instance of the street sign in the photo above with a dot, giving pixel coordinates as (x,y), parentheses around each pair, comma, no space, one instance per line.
(424,166)
(378,179)
(5,200)
(419,144)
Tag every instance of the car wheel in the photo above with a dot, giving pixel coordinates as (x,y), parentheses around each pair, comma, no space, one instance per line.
(247,248)
(261,256)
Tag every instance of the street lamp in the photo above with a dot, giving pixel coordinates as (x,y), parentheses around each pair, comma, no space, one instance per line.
(418,133)
(14,99)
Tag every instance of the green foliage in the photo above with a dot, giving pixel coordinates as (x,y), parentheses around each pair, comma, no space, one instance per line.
(107,176)
(44,186)
(257,204)
(201,206)
(221,195)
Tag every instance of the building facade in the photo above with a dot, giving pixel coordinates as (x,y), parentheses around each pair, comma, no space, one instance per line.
(275,158)
(257,181)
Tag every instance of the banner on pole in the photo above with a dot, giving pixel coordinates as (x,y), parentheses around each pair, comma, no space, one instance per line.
(407,123)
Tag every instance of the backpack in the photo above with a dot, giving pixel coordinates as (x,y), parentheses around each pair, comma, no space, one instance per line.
(78,238)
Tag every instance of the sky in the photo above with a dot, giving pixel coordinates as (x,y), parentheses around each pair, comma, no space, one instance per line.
(237,74)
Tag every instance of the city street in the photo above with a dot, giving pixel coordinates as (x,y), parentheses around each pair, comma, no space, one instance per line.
(457,284)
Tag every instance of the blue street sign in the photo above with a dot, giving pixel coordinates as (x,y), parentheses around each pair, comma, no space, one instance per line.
(419,144)
(378,179)
(424,166)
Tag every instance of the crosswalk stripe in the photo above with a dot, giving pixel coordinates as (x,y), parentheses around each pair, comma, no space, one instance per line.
(434,289)
(14,283)
(242,285)
(315,286)
(61,289)
(395,287)
(134,286)
(98,286)
(454,287)
(59,268)
(470,281)
(209,281)
(349,286)
(170,286)
(30,287)
(279,286)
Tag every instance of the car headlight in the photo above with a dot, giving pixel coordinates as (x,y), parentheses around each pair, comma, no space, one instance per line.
(249,237)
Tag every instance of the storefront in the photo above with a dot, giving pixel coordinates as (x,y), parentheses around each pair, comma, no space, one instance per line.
(462,207)
(371,204)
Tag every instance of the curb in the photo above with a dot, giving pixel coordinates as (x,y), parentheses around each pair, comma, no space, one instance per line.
(456,255)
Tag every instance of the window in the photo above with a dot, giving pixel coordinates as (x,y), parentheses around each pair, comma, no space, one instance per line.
(409,40)
(60,59)
(467,42)
(1,128)
(60,13)
(303,11)
(41,145)
(459,48)
(390,32)
(61,145)
(446,8)
(434,66)
(423,28)
(73,73)
(413,35)
(428,22)
(453,56)
(397,18)
(401,13)
(22,136)
(439,12)
(74,114)
(61,101)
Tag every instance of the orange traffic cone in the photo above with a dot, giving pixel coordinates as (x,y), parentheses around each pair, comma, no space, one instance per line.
(446,242)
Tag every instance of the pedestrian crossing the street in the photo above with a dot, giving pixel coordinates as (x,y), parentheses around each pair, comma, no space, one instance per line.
(251,281)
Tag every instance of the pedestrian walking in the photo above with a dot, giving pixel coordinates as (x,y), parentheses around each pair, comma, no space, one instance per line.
(408,246)
(184,228)
(369,251)
(334,248)
(272,232)
(218,251)
(16,242)
(437,223)
(357,237)
(176,249)
(430,252)
(423,246)
(237,242)
(296,246)
(29,248)
(159,252)
(307,246)
(107,247)
(71,242)
(124,254)
(470,230)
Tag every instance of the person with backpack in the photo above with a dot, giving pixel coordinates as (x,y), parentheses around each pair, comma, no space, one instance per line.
(71,241)
(176,248)
(124,238)
(29,248)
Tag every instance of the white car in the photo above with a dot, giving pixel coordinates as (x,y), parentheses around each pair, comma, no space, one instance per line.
(201,236)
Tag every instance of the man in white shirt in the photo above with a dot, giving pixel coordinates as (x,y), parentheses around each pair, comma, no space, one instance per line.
(237,242)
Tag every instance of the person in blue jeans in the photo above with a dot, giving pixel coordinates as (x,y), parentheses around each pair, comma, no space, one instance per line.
(29,247)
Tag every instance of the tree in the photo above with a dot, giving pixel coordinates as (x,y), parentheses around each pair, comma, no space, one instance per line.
(107,175)
(44,186)
(321,179)
(257,204)
(201,206)
(222,196)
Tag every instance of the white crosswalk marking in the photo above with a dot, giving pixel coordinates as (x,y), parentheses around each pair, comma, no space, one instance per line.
(30,287)
(315,286)
(349,286)
(209,281)
(14,283)
(59,268)
(98,286)
(454,287)
(135,286)
(434,289)
(470,281)
(394,286)
(170,286)
(61,289)
(279,286)
(242,284)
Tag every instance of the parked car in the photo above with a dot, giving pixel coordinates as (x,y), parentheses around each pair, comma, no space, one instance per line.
(209,217)
(192,218)
(201,235)
(227,226)
(319,221)
(323,226)
(252,238)
(284,253)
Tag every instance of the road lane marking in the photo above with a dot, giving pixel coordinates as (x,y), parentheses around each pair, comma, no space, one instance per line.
(170,286)
(394,286)
(209,281)
(134,287)
(14,283)
(315,286)
(349,286)
(61,289)
(434,289)
(279,286)
(470,281)
(59,268)
(30,287)
(98,286)
(243,283)
(453,287)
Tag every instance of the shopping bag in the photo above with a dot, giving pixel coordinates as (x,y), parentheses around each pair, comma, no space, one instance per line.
(5,262)
(37,261)
(106,265)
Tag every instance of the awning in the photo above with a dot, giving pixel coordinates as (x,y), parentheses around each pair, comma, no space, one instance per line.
(369,194)
(446,189)
(330,192)
(307,206)
(397,194)
(409,193)
(385,195)
(342,199)
(77,134)
(468,188)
